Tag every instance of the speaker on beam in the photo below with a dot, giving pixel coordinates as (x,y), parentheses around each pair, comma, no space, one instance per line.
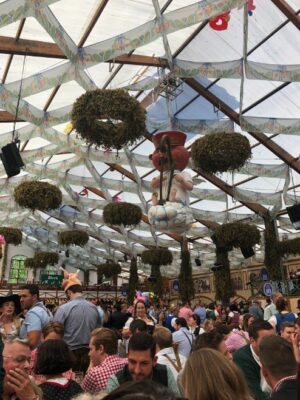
(294,214)
(11,159)
(247,252)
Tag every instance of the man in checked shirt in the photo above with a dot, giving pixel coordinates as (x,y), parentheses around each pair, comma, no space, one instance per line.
(104,361)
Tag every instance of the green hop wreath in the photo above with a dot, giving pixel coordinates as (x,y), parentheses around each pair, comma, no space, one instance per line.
(110,118)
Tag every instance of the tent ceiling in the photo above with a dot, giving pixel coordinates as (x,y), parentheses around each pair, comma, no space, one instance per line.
(48,46)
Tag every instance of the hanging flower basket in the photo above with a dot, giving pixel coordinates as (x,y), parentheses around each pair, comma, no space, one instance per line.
(118,213)
(220,152)
(44,258)
(12,235)
(110,118)
(30,263)
(238,234)
(38,195)
(73,237)
(157,257)
(109,269)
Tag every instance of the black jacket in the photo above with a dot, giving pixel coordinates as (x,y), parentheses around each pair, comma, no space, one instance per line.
(288,390)
(159,375)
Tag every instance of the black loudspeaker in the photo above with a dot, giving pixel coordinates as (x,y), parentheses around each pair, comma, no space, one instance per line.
(198,262)
(294,214)
(11,159)
(247,252)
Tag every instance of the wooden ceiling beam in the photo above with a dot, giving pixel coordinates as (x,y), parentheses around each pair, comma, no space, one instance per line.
(92,22)
(6,116)
(288,11)
(36,48)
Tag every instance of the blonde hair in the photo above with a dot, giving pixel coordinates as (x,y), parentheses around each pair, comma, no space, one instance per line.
(218,378)
(206,323)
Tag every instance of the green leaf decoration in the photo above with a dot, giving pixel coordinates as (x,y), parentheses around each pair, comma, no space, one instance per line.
(109,117)
(157,257)
(221,152)
(37,195)
(186,284)
(73,237)
(12,235)
(121,213)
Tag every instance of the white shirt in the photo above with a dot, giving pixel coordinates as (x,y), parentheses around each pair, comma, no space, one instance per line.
(169,351)
(263,383)
(184,339)
(273,319)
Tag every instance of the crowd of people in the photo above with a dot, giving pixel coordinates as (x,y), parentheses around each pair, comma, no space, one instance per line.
(82,350)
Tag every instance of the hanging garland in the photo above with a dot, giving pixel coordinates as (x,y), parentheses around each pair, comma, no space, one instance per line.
(109,117)
(238,234)
(157,257)
(133,280)
(155,281)
(286,247)
(221,152)
(186,284)
(37,195)
(272,257)
(44,258)
(121,213)
(223,283)
(30,263)
(12,235)
(75,237)
(109,269)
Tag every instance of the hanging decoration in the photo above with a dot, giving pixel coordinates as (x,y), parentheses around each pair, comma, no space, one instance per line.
(109,269)
(221,152)
(286,247)
(73,237)
(272,258)
(238,234)
(157,257)
(276,249)
(250,7)
(37,195)
(109,117)
(121,213)
(133,280)
(44,258)
(186,284)
(11,235)
(170,211)
(223,283)
(220,23)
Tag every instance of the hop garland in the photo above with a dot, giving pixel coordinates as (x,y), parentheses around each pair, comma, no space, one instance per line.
(37,195)
(118,213)
(220,152)
(157,257)
(76,237)
(125,118)
(12,235)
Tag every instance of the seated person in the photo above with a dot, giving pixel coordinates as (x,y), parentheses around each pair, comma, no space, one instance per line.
(142,364)
(54,358)
(53,330)
(17,382)
(104,360)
